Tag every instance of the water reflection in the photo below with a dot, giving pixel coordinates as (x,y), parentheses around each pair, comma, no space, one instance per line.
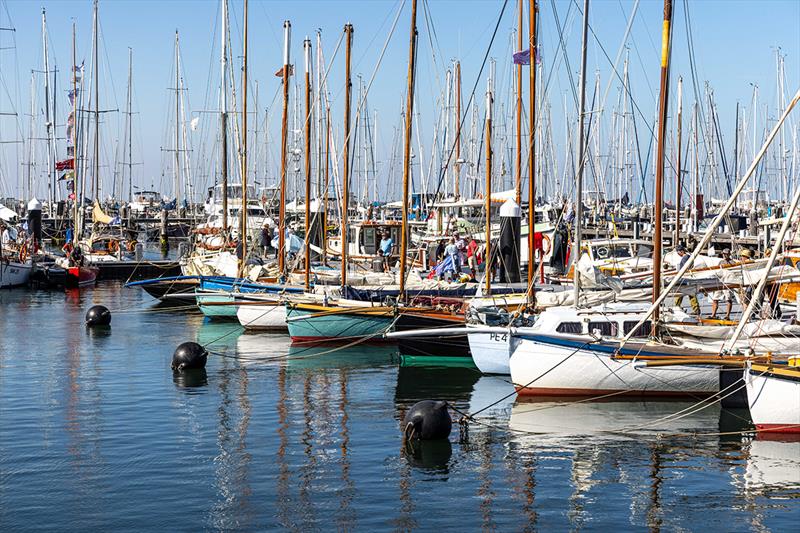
(773,466)
(99,333)
(430,456)
(609,420)
(343,358)
(271,436)
(232,462)
(190,379)
(416,383)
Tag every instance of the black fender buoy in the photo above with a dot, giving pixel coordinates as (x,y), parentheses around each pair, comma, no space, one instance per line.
(427,420)
(98,315)
(188,356)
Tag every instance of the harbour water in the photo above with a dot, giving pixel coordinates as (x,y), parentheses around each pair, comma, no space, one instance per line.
(97,434)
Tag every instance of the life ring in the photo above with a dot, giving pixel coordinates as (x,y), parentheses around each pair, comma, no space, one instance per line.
(113,246)
(546,239)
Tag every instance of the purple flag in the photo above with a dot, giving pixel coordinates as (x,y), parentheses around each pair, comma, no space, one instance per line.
(523,57)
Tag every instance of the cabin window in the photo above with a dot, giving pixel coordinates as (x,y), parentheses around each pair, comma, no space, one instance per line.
(643,331)
(368,243)
(606,329)
(570,327)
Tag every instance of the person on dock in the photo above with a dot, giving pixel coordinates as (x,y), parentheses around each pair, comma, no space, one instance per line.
(462,247)
(451,251)
(724,295)
(6,237)
(473,260)
(385,249)
(681,251)
(265,238)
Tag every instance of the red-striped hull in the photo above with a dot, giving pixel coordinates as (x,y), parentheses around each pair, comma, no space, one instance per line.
(779,428)
(533,391)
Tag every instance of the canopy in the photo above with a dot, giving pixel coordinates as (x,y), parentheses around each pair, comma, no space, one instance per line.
(7,214)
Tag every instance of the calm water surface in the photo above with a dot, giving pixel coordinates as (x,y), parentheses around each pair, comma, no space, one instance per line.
(97,434)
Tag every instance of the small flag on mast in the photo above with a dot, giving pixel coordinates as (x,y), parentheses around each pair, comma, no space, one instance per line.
(523,57)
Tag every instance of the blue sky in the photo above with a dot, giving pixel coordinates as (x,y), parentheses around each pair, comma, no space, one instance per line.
(734,44)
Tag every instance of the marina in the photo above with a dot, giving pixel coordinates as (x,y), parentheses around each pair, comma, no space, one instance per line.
(305,308)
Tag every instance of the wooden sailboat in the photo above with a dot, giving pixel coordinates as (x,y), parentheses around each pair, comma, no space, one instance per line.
(565,351)
(773,394)
(78,272)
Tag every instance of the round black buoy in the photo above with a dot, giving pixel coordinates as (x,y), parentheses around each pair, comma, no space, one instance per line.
(189,355)
(98,315)
(427,420)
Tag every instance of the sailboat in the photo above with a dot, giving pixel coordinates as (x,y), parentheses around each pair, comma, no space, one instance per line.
(575,351)
(15,261)
(773,395)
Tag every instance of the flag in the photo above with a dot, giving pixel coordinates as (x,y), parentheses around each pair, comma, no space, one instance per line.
(67,175)
(279,72)
(72,94)
(70,127)
(195,121)
(67,164)
(523,57)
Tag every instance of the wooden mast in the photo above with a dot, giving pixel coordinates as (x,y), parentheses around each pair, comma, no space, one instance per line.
(77,225)
(307,50)
(243,210)
(532,43)
(177,163)
(576,245)
(287,29)
(130,126)
(327,184)
(348,86)
(518,161)
(662,130)
(96,177)
(412,50)
(223,117)
(488,193)
(457,166)
(679,173)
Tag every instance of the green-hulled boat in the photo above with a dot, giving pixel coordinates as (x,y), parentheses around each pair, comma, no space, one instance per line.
(325,323)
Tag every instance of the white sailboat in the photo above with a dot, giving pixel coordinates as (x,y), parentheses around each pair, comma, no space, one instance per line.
(773,396)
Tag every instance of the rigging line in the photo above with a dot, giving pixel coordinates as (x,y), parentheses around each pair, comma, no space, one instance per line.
(616,73)
(359,108)
(446,166)
(562,44)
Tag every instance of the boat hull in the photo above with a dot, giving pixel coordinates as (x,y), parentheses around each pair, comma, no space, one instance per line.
(267,316)
(81,276)
(491,352)
(545,365)
(774,399)
(174,291)
(320,324)
(217,305)
(444,346)
(14,274)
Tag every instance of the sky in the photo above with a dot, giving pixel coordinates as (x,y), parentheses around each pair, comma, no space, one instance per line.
(734,45)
